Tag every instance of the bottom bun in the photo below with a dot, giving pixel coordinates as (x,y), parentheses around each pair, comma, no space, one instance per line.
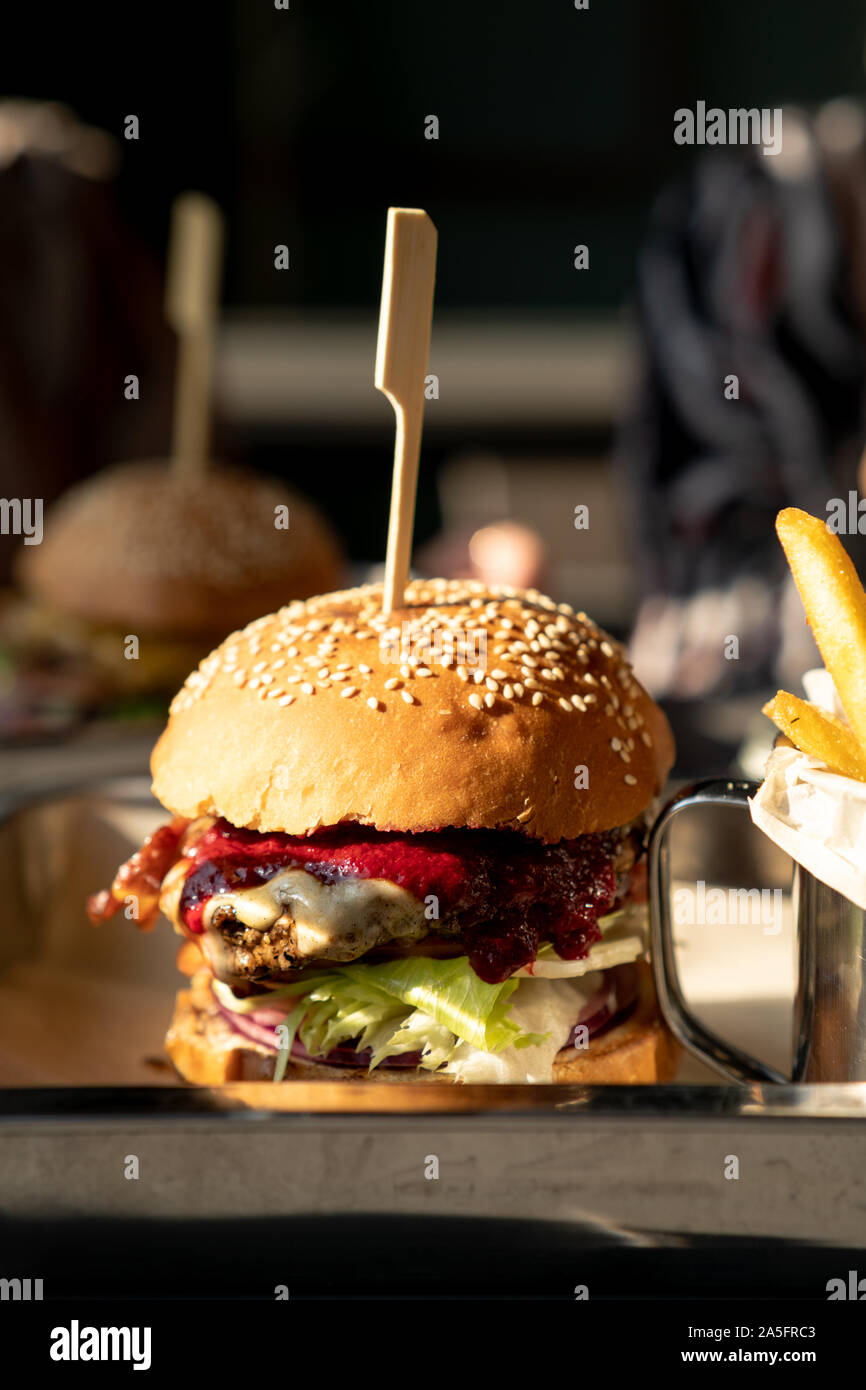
(207,1051)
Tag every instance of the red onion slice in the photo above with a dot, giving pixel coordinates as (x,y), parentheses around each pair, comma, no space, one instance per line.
(262,1033)
(618,993)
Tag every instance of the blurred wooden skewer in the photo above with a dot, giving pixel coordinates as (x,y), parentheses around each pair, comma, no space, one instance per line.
(405,319)
(192,294)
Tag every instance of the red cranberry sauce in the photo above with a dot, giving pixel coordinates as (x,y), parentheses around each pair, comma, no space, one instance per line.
(509,893)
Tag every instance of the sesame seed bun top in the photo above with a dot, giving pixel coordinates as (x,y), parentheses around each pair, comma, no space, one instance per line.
(469,706)
(140,547)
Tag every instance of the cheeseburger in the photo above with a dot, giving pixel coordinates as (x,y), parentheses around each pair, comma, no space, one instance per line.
(141,548)
(409,846)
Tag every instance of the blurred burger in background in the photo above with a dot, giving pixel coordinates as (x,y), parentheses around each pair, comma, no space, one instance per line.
(143,569)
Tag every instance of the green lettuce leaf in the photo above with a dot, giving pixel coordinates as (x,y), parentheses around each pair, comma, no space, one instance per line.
(418,1032)
(450,992)
(412,1005)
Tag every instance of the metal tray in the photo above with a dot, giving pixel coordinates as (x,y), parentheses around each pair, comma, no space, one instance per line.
(83,1084)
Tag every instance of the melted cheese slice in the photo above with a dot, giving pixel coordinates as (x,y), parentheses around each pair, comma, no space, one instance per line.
(353,912)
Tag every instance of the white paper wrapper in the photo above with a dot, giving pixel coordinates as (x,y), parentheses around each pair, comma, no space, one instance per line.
(815,815)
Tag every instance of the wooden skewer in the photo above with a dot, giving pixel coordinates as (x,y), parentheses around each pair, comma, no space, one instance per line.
(405,319)
(192,291)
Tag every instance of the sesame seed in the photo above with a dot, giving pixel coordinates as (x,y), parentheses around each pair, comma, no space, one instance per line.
(307,688)
(490,699)
(491,683)
(366,670)
(408,697)
(478,677)
(632,781)
(392,683)
(239,677)
(423,671)
(348,691)
(518,689)
(499,675)
(578,702)
(324,674)
(615,744)
(508,691)
(286,700)
(475,700)
(462,673)
(537,698)
(607,649)
(565,704)
(405,672)
(373,703)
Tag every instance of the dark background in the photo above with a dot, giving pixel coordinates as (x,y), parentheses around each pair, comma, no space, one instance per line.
(556,127)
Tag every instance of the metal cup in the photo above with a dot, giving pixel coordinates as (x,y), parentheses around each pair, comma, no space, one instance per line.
(830,1001)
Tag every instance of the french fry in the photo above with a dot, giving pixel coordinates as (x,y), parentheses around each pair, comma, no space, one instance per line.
(819,734)
(835,606)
